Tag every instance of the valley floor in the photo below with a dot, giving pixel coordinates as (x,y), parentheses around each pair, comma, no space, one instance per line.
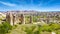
(20,29)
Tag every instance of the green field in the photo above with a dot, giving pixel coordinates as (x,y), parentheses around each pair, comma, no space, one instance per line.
(32,29)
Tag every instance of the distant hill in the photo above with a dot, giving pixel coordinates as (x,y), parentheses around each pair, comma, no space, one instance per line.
(32,12)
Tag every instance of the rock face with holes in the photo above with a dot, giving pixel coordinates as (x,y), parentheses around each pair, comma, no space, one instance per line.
(13,18)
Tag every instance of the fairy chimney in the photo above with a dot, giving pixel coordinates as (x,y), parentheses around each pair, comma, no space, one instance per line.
(9,18)
(31,19)
(22,18)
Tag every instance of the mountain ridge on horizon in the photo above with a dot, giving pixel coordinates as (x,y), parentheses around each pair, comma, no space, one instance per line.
(27,11)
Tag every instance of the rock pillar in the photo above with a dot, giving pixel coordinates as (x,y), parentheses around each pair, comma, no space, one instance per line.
(31,19)
(22,19)
(9,18)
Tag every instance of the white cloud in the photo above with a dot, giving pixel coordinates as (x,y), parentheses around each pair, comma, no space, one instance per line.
(8,4)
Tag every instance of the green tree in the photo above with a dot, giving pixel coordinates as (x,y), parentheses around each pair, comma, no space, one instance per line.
(5,27)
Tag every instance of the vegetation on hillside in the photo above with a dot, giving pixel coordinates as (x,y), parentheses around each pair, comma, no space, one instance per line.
(5,27)
(45,28)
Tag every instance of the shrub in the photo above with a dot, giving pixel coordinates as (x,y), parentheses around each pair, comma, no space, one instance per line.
(55,26)
(33,29)
(5,27)
(39,30)
(29,30)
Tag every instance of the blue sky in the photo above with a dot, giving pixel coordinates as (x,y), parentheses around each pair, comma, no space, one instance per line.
(39,5)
